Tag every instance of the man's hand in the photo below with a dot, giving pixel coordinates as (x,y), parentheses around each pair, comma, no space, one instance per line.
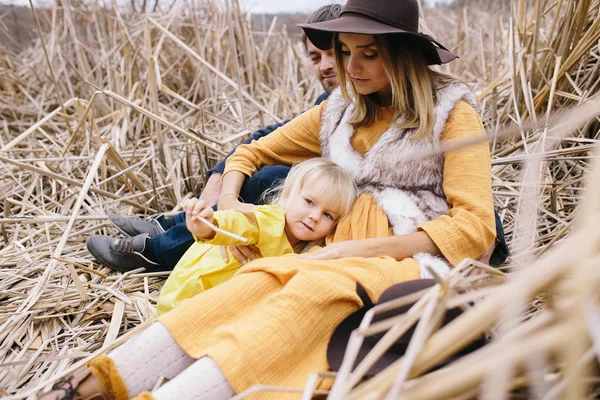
(212,189)
(194,210)
(243,254)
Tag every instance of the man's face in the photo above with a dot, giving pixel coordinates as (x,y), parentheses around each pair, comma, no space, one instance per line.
(323,63)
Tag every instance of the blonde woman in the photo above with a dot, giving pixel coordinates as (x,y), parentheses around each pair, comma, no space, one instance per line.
(418,211)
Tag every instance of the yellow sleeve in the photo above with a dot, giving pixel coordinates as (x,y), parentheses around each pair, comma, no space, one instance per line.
(296,141)
(468,229)
(241,223)
(265,226)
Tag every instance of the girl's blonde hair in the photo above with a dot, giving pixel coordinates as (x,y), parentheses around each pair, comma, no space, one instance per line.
(413,85)
(325,179)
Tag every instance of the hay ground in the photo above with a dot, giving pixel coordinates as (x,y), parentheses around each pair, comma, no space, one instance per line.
(116,111)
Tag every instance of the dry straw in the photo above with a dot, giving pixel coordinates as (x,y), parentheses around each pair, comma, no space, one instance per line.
(119,111)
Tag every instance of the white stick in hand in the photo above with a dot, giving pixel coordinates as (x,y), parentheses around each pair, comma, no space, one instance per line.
(222,231)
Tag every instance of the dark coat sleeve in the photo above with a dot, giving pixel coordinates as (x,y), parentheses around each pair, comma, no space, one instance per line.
(220,167)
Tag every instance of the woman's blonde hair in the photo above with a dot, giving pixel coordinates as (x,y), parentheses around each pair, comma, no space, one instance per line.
(326,181)
(413,85)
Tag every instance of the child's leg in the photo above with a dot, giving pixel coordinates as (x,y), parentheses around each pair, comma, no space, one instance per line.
(145,358)
(203,380)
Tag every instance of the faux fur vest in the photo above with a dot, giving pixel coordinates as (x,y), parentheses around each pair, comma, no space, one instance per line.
(410,192)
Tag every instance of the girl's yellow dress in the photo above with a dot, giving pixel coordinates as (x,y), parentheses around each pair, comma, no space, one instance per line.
(202,266)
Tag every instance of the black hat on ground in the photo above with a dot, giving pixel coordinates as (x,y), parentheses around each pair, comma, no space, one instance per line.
(339,340)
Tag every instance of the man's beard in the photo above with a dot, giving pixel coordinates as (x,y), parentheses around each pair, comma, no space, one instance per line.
(329,86)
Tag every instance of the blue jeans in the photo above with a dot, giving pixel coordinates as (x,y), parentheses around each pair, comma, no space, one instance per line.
(170,245)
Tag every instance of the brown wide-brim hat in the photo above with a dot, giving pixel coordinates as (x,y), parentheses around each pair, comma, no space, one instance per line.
(379,17)
(341,336)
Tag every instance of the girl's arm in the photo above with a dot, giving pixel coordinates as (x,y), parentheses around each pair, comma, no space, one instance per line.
(196,209)
(239,223)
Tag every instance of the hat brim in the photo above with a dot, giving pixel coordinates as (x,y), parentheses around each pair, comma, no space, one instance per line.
(341,336)
(321,35)
(339,340)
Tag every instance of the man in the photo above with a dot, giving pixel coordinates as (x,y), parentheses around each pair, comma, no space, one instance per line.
(158,243)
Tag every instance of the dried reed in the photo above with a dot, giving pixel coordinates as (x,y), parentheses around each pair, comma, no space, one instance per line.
(140,107)
(117,111)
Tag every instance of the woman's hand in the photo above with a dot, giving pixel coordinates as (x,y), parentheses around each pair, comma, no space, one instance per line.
(229,201)
(349,248)
(194,210)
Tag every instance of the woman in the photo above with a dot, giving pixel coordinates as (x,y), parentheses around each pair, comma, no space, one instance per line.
(270,324)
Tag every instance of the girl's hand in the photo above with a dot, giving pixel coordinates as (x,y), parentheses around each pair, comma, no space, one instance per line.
(349,248)
(243,254)
(194,210)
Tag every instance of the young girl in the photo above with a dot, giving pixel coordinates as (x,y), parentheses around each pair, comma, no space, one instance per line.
(306,208)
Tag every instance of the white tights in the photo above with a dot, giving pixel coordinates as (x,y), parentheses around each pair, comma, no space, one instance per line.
(153,354)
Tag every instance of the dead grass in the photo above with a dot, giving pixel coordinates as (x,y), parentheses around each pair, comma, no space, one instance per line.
(135,107)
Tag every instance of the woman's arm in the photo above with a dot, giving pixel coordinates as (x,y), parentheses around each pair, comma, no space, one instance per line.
(398,247)
(220,167)
(230,190)
(296,141)
(292,143)
(469,227)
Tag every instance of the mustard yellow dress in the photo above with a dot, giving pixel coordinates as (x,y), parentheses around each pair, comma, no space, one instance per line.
(202,266)
(270,324)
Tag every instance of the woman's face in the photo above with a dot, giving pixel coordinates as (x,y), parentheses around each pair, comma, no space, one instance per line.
(364,64)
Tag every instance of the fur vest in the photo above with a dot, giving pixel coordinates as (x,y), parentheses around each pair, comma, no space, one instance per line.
(409,192)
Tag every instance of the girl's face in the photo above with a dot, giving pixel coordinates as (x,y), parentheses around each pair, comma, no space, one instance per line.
(364,65)
(309,217)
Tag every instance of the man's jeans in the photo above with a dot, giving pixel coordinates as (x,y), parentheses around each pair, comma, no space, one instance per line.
(170,245)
